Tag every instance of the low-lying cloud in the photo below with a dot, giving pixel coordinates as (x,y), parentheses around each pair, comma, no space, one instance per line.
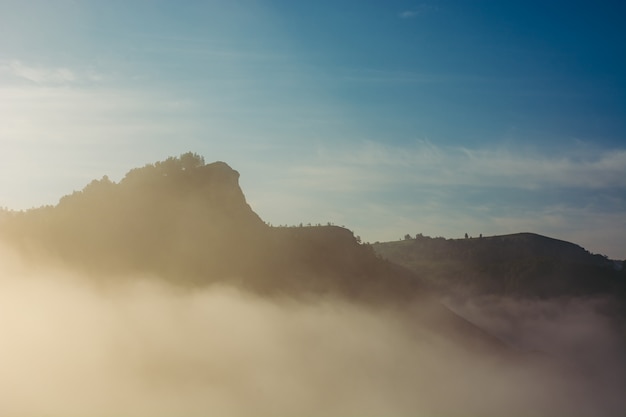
(580,332)
(75,348)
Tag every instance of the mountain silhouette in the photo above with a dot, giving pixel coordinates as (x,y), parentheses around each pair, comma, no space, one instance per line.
(188,222)
(521,264)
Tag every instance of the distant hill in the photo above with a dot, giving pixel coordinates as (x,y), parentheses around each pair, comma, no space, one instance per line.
(522,264)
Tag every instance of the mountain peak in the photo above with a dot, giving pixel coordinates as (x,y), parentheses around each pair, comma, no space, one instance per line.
(179,208)
(188,222)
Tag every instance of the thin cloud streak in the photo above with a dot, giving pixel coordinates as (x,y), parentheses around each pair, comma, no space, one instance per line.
(408,14)
(428,164)
(48,75)
(384,192)
(416,11)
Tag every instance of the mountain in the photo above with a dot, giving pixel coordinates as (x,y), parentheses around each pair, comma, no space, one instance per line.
(522,264)
(179,213)
(188,223)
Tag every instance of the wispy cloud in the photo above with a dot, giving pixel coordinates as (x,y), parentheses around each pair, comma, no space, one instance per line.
(408,14)
(48,75)
(416,11)
(598,169)
(428,164)
(383,192)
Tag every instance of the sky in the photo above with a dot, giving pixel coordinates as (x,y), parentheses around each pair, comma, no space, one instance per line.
(439,117)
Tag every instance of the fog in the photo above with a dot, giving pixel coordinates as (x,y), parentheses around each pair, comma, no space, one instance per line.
(576,330)
(71,347)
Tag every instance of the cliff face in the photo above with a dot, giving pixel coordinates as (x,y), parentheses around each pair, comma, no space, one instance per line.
(178,217)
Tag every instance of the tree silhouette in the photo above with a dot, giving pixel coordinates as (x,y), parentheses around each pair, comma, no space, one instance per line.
(191,160)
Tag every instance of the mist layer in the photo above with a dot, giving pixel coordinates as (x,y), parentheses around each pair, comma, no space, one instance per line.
(141,347)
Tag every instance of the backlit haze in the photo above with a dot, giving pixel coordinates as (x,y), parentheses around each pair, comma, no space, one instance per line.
(394,117)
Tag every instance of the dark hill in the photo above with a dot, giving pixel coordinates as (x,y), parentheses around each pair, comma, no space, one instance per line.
(523,264)
(175,216)
(188,222)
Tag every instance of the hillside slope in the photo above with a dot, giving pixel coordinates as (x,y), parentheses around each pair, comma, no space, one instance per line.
(522,264)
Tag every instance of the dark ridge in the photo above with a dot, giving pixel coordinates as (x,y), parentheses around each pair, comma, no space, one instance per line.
(521,264)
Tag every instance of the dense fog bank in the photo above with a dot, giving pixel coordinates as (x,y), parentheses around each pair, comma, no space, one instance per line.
(141,347)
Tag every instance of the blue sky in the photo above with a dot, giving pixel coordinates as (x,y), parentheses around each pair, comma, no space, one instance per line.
(435,117)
